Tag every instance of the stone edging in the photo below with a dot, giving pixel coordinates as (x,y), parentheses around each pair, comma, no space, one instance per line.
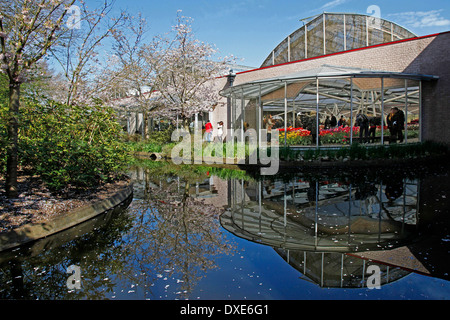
(35,231)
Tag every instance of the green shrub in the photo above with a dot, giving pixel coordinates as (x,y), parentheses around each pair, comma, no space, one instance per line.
(143,146)
(357,152)
(77,145)
(161,137)
(309,155)
(155,143)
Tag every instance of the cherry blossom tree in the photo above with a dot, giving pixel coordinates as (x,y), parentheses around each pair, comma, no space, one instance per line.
(170,75)
(184,72)
(134,71)
(79,57)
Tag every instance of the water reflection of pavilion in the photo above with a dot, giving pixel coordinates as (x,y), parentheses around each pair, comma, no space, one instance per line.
(338,270)
(320,227)
(322,216)
(357,222)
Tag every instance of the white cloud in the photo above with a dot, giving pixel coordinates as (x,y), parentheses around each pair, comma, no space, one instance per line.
(332,4)
(420,19)
(328,5)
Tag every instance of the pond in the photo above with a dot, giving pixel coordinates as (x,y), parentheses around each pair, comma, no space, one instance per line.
(208,233)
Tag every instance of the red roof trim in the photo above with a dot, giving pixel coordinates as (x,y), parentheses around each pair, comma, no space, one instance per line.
(342,52)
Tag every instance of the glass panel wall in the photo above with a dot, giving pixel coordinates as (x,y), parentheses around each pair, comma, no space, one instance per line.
(268,61)
(298,45)
(315,37)
(355,26)
(331,111)
(334,33)
(401,33)
(387,28)
(402,107)
(376,36)
(342,32)
(281,52)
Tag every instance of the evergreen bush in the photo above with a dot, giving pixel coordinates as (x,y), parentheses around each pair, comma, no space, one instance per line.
(76,146)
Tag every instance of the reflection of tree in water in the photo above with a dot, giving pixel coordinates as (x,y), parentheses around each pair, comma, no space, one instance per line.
(40,273)
(175,235)
(169,234)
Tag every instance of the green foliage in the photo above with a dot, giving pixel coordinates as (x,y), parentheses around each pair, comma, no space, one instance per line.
(225,173)
(76,145)
(287,154)
(309,154)
(4,90)
(357,152)
(144,146)
(157,142)
(360,152)
(161,137)
(188,172)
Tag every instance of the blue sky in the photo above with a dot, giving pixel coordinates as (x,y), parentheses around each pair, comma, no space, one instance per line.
(251,29)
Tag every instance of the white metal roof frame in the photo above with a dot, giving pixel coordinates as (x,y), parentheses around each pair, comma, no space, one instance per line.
(256,88)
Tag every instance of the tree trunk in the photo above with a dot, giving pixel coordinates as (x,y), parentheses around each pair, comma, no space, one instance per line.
(186,124)
(13,133)
(144,125)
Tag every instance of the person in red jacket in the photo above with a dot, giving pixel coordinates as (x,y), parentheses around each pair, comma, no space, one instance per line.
(208,130)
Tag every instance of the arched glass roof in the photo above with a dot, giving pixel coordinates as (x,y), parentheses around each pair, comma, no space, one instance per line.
(335,32)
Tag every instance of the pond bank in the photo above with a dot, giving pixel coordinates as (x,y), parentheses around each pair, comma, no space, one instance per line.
(315,164)
(37,214)
(356,154)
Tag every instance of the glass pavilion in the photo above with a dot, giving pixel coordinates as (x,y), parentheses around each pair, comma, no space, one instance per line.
(319,94)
